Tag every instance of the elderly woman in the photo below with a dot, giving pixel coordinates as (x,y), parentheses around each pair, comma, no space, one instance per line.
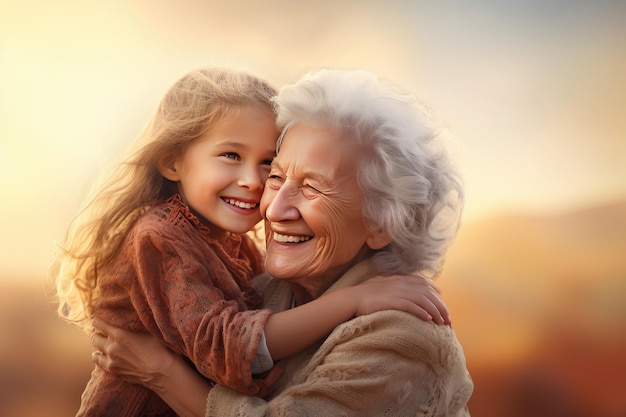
(361,186)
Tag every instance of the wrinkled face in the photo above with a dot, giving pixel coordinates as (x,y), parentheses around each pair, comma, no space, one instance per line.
(221,175)
(312,206)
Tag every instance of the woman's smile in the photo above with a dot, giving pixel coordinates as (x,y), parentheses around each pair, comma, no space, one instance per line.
(284,238)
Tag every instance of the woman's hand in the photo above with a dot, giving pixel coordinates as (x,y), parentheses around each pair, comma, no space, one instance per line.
(139,358)
(409,293)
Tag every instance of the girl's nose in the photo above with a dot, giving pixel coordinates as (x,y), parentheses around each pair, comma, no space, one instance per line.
(251,178)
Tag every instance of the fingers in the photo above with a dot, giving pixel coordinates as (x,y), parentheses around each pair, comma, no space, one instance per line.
(102,326)
(435,311)
(443,311)
(427,296)
(410,293)
(97,357)
(100,360)
(103,361)
(421,313)
(98,341)
(435,306)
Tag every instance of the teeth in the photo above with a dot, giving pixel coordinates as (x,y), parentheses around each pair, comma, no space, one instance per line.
(240,204)
(290,238)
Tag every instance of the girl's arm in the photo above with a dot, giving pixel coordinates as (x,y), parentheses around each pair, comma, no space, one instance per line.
(293,330)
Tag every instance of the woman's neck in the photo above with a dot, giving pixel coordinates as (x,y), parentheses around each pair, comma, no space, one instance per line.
(310,288)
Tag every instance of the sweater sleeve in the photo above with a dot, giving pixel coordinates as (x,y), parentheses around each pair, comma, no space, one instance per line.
(385,364)
(189,300)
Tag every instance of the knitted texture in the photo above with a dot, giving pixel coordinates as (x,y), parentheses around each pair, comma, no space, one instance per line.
(189,286)
(388,363)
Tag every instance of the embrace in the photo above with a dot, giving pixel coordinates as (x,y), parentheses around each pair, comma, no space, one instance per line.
(334,314)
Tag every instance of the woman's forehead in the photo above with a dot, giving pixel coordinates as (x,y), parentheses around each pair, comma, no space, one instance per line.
(317,152)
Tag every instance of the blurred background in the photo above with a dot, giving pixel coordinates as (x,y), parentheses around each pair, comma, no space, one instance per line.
(534,92)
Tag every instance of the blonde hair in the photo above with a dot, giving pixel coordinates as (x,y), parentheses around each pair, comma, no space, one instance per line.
(189,109)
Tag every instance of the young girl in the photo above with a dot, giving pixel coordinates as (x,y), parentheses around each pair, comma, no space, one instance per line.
(160,246)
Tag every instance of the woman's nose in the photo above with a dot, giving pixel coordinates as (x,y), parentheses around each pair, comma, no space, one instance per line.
(281,204)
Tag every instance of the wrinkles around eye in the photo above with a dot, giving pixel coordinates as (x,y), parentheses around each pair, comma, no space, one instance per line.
(310,192)
(274,181)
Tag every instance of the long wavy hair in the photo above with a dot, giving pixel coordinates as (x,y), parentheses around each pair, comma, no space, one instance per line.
(130,186)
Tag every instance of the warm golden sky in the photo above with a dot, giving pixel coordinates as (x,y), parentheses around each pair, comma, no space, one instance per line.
(534,92)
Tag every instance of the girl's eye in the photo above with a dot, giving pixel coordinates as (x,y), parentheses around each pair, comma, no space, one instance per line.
(231,155)
(267,162)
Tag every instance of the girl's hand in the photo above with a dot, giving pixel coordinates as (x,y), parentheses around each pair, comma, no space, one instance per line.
(409,293)
(138,358)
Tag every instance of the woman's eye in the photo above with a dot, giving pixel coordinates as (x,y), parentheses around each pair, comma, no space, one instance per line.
(311,187)
(310,191)
(231,155)
(274,181)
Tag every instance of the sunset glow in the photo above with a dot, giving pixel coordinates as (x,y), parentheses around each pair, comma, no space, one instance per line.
(533,92)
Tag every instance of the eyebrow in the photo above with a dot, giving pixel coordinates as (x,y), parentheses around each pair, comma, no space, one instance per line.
(307,174)
(239,145)
(231,144)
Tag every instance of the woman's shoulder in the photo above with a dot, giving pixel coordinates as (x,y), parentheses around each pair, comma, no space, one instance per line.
(407,334)
(397,343)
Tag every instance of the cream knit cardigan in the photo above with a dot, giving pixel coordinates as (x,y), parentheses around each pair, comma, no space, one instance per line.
(384,364)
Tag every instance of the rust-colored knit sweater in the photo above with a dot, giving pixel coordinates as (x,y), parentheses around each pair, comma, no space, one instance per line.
(188,285)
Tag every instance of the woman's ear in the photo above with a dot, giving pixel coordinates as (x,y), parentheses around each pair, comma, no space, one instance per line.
(169,167)
(377,240)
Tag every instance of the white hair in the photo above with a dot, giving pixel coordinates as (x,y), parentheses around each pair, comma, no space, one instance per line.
(412,191)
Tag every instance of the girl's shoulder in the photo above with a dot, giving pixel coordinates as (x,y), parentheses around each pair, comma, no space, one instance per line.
(166,219)
(173,213)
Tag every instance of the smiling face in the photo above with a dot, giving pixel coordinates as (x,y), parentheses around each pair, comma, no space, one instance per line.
(221,175)
(312,206)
